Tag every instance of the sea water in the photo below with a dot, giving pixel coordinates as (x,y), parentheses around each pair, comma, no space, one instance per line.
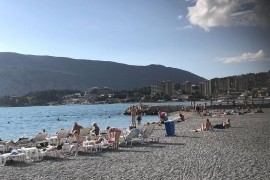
(16,122)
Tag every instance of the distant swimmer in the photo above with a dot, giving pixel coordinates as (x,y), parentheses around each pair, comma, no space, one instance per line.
(58,119)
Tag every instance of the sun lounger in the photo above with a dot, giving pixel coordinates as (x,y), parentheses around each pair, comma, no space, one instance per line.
(31,154)
(131,137)
(2,148)
(23,142)
(40,140)
(14,155)
(147,134)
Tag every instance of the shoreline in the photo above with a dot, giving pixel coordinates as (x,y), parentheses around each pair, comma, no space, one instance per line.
(239,152)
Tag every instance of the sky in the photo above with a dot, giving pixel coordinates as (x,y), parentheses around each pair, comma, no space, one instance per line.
(210,38)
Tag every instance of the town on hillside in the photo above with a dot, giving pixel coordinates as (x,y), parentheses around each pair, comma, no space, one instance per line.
(248,88)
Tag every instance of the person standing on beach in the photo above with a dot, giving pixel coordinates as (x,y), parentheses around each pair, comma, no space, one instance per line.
(76,127)
(96,130)
(139,115)
(114,133)
(133,113)
(78,143)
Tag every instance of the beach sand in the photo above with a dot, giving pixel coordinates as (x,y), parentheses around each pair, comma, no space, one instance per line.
(240,152)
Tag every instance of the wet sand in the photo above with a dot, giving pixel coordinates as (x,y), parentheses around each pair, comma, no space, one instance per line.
(239,152)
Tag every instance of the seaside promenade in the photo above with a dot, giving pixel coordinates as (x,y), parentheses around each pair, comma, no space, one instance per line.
(239,152)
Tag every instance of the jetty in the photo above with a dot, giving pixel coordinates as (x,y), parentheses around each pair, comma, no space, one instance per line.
(153,109)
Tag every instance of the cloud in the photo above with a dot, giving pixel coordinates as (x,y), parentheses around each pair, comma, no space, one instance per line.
(180,17)
(246,57)
(186,27)
(212,13)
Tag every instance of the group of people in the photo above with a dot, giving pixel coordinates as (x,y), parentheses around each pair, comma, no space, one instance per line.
(113,133)
(207,125)
(135,113)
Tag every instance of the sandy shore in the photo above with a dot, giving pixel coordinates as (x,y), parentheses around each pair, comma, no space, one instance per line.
(240,152)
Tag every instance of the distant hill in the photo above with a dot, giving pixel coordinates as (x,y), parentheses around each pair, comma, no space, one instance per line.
(20,74)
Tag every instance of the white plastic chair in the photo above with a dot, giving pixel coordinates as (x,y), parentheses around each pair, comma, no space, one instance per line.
(3,160)
(40,138)
(2,148)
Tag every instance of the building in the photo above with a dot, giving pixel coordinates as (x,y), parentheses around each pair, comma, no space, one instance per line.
(186,87)
(164,87)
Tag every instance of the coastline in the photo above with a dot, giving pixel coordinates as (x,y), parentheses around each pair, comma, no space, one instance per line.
(240,152)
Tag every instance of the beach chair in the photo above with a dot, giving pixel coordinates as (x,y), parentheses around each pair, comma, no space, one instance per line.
(2,160)
(90,146)
(131,137)
(15,155)
(31,154)
(23,142)
(2,148)
(147,133)
(85,132)
(10,145)
(60,138)
(40,140)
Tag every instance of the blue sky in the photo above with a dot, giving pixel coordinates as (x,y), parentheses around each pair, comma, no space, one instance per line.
(209,38)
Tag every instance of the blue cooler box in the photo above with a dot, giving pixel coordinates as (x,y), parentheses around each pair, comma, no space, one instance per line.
(170,129)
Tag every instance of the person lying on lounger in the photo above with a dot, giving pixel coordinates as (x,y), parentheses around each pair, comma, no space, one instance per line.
(225,124)
(56,149)
(100,139)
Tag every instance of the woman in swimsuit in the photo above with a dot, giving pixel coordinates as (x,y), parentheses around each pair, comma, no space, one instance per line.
(114,133)
(78,143)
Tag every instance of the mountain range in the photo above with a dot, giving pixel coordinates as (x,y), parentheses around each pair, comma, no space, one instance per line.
(20,74)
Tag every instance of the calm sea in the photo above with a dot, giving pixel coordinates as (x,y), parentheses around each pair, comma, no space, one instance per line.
(16,122)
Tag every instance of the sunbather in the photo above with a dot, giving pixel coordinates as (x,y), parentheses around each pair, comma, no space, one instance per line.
(206,126)
(56,149)
(100,139)
(114,133)
(259,110)
(225,124)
